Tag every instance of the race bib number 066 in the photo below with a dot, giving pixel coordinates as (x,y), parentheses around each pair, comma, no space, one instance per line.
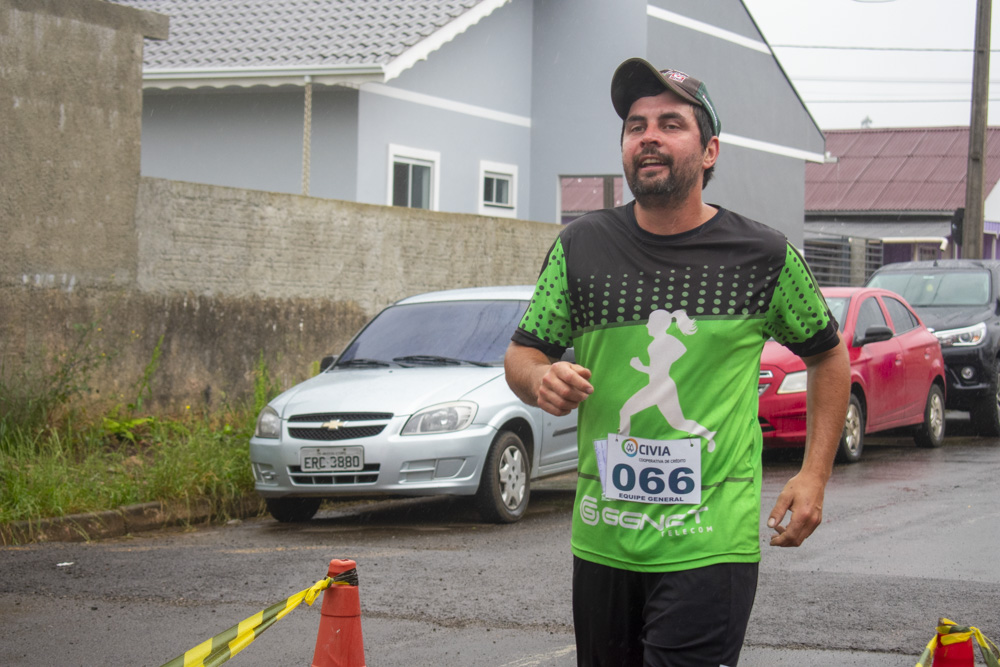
(652,471)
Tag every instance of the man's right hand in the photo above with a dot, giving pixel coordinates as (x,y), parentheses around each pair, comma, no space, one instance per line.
(557,387)
(563,387)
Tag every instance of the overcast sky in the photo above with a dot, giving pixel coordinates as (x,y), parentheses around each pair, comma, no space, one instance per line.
(920,74)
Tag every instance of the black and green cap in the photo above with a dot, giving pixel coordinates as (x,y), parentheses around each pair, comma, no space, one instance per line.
(636,78)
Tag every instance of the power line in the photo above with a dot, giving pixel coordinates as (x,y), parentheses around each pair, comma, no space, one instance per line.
(877,48)
(966,100)
(899,80)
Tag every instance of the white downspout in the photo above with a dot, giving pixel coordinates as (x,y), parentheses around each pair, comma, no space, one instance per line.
(307,135)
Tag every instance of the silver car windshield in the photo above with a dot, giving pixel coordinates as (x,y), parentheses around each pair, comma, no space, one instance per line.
(937,288)
(437,333)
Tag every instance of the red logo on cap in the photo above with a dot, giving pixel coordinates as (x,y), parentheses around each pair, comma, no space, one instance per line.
(674,75)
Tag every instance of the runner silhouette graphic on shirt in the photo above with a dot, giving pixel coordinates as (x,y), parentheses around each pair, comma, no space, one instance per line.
(662,390)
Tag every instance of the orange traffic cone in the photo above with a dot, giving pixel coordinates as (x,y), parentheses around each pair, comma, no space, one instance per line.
(952,653)
(339,642)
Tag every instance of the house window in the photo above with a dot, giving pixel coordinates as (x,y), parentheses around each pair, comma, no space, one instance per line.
(581,194)
(411,184)
(498,189)
(413,177)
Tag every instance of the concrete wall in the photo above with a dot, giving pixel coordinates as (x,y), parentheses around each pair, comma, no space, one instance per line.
(209,350)
(214,241)
(227,275)
(97,264)
(70,101)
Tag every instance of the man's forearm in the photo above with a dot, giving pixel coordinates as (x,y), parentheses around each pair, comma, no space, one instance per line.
(827,391)
(827,394)
(524,367)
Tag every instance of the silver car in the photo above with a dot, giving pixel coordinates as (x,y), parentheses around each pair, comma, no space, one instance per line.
(417,404)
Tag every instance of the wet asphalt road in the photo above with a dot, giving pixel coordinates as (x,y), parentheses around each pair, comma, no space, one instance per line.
(909,535)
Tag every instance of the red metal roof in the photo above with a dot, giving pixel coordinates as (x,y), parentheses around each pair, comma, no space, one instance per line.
(586,193)
(905,169)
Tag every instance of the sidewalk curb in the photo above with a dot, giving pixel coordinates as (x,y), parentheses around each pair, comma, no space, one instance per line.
(122,521)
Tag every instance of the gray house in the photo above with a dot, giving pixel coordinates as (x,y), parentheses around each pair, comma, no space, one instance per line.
(494,107)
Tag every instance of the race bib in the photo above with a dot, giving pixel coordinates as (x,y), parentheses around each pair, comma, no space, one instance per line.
(650,471)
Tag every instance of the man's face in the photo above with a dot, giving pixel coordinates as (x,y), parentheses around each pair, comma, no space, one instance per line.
(661,150)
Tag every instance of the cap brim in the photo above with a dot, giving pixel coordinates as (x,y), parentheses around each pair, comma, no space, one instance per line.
(633,79)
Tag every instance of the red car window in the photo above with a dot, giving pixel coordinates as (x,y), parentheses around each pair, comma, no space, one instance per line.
(869,315)
(902,318)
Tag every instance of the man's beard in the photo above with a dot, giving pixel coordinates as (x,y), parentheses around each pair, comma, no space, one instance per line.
(665,191)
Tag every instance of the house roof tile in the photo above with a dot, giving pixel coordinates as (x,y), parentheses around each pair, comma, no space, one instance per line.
(907,169)
(221,34)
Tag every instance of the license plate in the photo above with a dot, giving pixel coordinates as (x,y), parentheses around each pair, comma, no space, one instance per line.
(331,459)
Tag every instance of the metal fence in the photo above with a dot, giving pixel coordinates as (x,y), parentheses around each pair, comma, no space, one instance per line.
(840,261)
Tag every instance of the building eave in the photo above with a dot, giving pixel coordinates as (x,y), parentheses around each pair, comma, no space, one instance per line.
(864,216)
(351,75)
(439,38)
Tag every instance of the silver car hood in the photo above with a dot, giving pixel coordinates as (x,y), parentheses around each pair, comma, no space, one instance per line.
(401,391)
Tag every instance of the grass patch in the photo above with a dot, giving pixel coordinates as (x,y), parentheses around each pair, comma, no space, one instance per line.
(82,468)
(55,460)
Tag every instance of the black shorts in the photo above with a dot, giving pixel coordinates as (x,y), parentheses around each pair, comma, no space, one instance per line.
(692,618)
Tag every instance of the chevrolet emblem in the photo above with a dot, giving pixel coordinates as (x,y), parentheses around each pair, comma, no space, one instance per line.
(332,425)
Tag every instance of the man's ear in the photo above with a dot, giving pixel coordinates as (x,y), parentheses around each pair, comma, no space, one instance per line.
(711,153)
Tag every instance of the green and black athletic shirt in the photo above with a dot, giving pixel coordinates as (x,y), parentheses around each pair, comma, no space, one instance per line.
(726,287)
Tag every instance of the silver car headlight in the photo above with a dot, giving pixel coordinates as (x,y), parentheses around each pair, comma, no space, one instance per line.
(964,337)
(268,424)
(794,383)
(442,418)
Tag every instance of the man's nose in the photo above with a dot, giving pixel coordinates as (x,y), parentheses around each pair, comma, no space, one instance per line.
(650,136)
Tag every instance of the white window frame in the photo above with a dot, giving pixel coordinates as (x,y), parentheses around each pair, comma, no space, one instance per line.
(418,156)
(501,170)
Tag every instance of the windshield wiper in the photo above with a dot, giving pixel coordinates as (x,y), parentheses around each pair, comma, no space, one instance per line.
(436,360)
(362,362)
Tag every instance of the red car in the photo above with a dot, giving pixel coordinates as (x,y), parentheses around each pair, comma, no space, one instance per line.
(897,375)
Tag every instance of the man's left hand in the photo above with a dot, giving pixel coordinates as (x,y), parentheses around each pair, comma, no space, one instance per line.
(828,386)
(803,497)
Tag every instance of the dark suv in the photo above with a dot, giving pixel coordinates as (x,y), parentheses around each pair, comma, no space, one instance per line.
(959,300)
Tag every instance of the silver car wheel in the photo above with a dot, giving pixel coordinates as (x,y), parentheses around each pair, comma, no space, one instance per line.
(852,429)
(937,416)
(931,432)
(852,439)
(513,477)
(505,484)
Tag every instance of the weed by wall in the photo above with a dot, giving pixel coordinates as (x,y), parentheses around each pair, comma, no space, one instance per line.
(56,458)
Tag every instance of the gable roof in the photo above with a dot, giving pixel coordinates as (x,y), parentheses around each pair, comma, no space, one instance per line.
(271,42)
(905,170)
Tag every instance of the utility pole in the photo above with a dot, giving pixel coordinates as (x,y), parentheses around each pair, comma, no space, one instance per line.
(972,241)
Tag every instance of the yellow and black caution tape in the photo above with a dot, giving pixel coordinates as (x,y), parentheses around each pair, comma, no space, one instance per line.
(954,634)
(223,646)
